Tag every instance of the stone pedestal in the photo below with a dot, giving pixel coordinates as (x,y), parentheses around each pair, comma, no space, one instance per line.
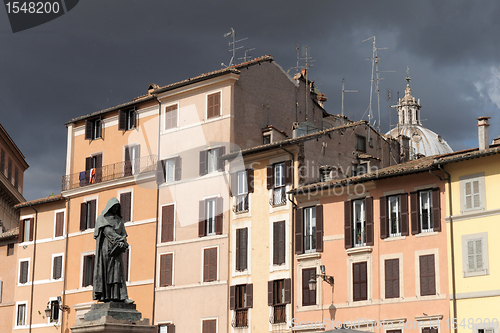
(113,317)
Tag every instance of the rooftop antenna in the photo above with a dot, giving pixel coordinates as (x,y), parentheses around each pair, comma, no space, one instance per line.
(247,55)
(345,91)
(308,88)
(232,46)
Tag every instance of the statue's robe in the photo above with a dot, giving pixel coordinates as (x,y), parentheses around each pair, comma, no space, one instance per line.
(109,283)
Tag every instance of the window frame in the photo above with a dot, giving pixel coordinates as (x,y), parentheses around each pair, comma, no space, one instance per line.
(54,306)
(27,230)
(208,279)
(18,305)
(312,274)
(210,219)
(28,281)
(210,320)
(241,252)
(95,126)
(309,232)
(172,267)
(359,263)
(83,281)
(89,224)
(362,241)
(279,257)
(360,143)
(165,235)
(10,250)
(56,212)
(214,116)
(483,236)
(170,109)
(430,220)
(55,255)
(480,178)
(398,215)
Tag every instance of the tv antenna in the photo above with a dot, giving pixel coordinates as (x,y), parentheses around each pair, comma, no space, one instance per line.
(247,55)
(308,88)
(345,91)
(232,46)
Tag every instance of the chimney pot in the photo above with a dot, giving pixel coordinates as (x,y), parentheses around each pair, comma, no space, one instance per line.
(483,132)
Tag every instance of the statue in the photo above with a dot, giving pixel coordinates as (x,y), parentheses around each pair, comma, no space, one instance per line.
(111,242)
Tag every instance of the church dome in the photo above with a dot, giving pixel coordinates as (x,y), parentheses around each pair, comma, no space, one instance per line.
(423,141)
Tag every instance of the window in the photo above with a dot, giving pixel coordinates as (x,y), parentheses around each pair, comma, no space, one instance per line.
(278,296)
(88,270)
(427,275)
(429,330)
(485,330)
(126,263)
(475,254)
(210,264)
(394,216)
(425,211)
(87,214)
(359,222)
(9,170)
(241,299)
(279,243)
(26,227)
(127,119)
(2,162)
(210,222)
(472,196)
(24,267)
(166,328)
(210,160)
(171,169)
(166,269)
(21,315)
(171,116)
(391,278)
(167,223)
(93,129)
(279,175)
(308,296)
(241,185)
(359,281)
(241,249)
(10,249)
(209,326)
(16,178)
(126,206)
(59,224)
(54,311)
(360,143)
(213,105)
(309,229)
(266,139)
(132,164)
(57,267)
(93,170)
(359,169)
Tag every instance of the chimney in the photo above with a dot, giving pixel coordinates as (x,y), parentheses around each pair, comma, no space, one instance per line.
(483,133)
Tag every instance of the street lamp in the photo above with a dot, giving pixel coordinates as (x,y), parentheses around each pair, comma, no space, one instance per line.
(58,306)
(327,278)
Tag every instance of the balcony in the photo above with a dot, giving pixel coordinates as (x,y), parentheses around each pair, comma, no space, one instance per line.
(240,318)
(109,172)
(279,314)
(240,203)
(279,196)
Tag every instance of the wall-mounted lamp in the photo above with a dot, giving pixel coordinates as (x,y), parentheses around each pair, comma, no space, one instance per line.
(327,278)
(57,306)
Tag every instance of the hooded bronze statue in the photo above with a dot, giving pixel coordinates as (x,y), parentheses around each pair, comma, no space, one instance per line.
(111,242)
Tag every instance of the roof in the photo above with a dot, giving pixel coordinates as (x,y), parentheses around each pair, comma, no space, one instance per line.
(50,198)
(415,166)
(13,144)
(12,233)
(157,90)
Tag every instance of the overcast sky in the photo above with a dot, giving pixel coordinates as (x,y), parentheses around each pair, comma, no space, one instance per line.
(104,53)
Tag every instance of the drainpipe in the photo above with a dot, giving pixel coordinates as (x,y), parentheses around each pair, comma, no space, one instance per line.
(35,225)
(65,262)
(453,282)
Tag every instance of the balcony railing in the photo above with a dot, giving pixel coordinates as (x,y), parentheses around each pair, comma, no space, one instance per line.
(279,314)
(109,172)
(279,196)
(240,203)
(240,318)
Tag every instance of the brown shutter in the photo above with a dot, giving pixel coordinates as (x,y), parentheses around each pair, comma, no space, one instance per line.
(167,223)
(359,281)
(32,227)
(305,287)
(299,226)
(391,278)
(369,220)
(84,272)
(170,328)
(219,217)
(232,302)
(57,268)
(164,263)
(319,228)
(178,168)
(220,162)
(415,223)
(83,216)
(249,292)
(347,224)
(404,214)
(125,255)
(21,231)
(216,106)
(210,106)
(23,276)
(122,120)
(270,293)
(133,121)
(128,163)
(243,249)
(270,177)
(203,162)
(288,173)
(59,224)
(201,222)
(383,218)
(91,218)
(281,242)
(427,275)
(364,281)
(206,265)
(126,206)
(250,180)
(288,291)
(275,243)
(88,129)
(238,249)
(213,264)
(436,209)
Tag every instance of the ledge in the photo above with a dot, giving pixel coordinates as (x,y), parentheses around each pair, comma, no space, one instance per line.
(472,215)
(424,234)
(308,256)
(358,250)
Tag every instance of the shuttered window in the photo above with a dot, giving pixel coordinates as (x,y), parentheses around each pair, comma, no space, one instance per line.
(26,228)
(167,223)
(23,271)
(279,243)
(57,268)
(472,194)
(213,105)
(359,281)
(429,330)
(427,275)
(211,161)
(425,211)
(88,270)
(166,266)
(126,206)
(88,214)
(308,296)
(309,229)
(241,249)
(209,326)
(358,222)
(210,217)
(475,261)
(171,117)
(59,224)
(127,119)
(210,264)
(279,292)
(391,267)
(241,297)
(93,129)
(167,328)
(21,315)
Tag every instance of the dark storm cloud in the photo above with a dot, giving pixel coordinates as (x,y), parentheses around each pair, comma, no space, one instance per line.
(104,53)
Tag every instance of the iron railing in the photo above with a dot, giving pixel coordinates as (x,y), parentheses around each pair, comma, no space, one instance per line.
(109,172)
(279,196)
(240,203)
(240,318)
(279,314)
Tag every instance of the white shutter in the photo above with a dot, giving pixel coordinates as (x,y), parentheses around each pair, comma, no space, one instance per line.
(479,254)
(468,195)
(470,256)
(476,196)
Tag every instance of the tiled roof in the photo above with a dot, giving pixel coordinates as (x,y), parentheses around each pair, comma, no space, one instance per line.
(50,198)
(12,233)
(205,76)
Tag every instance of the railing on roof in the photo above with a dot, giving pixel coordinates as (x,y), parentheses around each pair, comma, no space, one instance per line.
(109,172)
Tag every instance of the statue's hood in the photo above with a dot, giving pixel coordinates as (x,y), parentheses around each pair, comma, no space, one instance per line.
(113,201)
